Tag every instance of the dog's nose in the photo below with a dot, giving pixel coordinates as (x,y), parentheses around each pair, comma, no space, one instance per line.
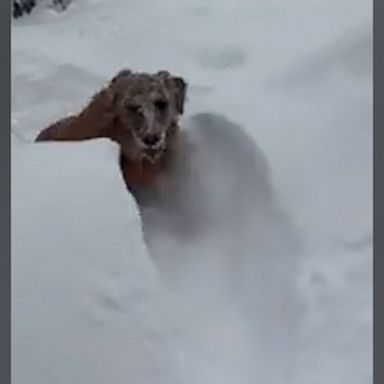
(151,139)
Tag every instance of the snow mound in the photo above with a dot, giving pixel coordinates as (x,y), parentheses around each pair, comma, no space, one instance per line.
(87,304)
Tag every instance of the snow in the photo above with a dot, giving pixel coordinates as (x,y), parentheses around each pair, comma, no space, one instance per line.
(84,309)
(93,303)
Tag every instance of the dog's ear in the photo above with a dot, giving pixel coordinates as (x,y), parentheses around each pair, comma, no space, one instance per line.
(113,88)
(124,73)
(177,86)
(180,89)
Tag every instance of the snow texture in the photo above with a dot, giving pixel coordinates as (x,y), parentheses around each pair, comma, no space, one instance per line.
(258,269)
(85,310)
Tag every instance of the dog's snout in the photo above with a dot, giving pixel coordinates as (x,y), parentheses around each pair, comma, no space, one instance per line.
(151,139)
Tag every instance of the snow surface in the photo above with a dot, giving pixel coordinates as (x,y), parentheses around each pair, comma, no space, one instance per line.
(93,304)
(85,310)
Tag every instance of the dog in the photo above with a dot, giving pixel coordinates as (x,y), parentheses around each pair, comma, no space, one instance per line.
(140,112)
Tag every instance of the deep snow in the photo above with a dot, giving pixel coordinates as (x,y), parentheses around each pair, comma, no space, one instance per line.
(84,309)
(91,304)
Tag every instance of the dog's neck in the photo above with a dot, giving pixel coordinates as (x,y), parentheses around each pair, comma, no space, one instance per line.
(142,173)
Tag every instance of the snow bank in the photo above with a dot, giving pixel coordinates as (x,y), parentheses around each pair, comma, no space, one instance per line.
(87,306)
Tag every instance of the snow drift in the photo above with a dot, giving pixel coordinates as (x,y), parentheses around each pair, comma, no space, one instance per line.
(87,302)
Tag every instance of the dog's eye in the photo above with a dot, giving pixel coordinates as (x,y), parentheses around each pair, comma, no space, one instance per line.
(161,105)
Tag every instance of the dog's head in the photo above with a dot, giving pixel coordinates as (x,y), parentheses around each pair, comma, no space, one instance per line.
(147,108)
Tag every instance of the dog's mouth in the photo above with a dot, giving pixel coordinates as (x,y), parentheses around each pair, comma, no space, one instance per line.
(152,147)
(152,155)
